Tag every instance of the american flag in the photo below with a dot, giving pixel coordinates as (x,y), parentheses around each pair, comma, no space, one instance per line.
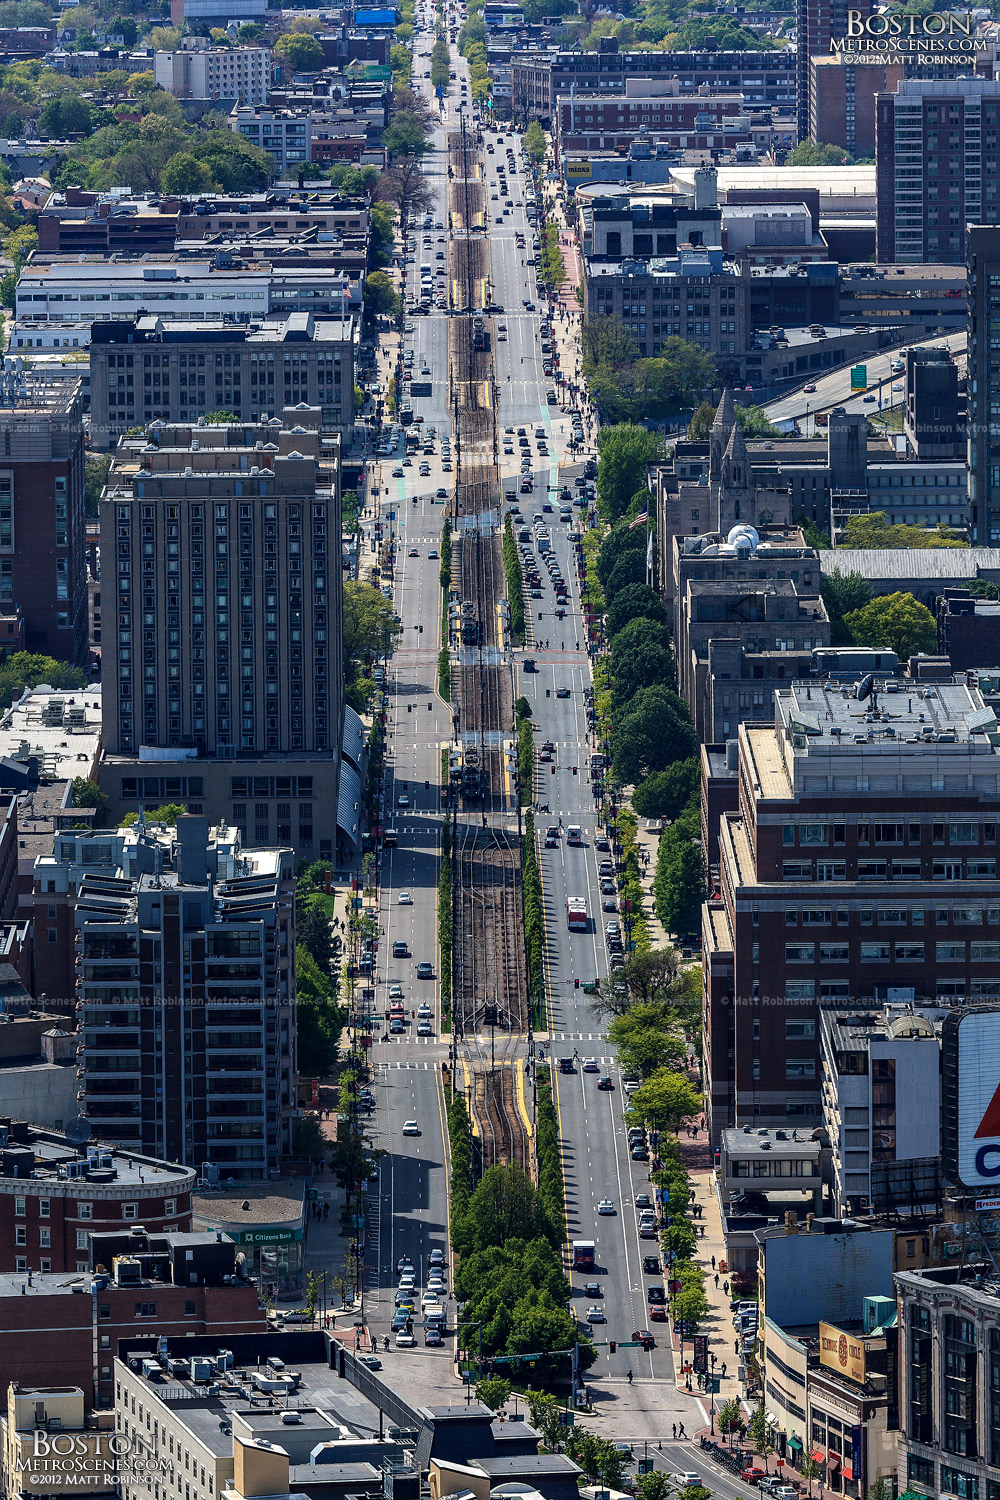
(641,519)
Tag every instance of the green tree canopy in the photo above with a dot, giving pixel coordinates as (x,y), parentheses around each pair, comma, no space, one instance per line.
(817,154)
(875,530)
(894,622)
(620,542)
(533,139)
(369,620)
(504,1206)
(623,455)
(665,1101)
(634,602)
(302,53)
(406,136)
(670,792)
(655,730)
(640,657)
(646,1039)
(86,793)
(842,594)
(26,670)
(381,297)
(184,173)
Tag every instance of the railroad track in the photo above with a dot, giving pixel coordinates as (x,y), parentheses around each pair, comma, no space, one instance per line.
(490,1007)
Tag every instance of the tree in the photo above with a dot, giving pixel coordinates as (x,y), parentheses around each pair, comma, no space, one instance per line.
(8,288)
(894,622)
(493,1392)
(631,569)
(96,467)
(640,657)
(653,1486)
(309,1143)
(817,154)
(184,173)
(634,602)
(624,452)
(167,815)
(86,793)
(545,1412)
(666,1101)
(756,423)
(313,933)
(406,136)
(646,1039)
(381,297)
(302,53)
(668,793)
(165,39)
(700,425)
(408,101)
(759,1432)
(534,142)
(505,1206)
(18,245)
(25,670)
(621,541)
(679,882)
(874,530)
(251,34)
(843,593)
(406,186)
(370,626)
(729,1417)
(607,344)
(655,730)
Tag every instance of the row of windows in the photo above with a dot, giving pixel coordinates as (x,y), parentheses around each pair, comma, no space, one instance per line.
(943,916)
(819,833)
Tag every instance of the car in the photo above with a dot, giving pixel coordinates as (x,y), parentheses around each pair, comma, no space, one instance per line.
(651,1265)
(425,1028)
(405,1339)
(441,494)
(563,693)
(300,1316)
(399,949)
(397,472)
(754,1476)
(405,1299)
(413,552)
(396,992)
(685,1476)
(403,801)
(400,1319)
(551,842)
(596,1315)
(404,898)
(655,1294)
(435,1283)
(606,1085)
(657,1314)
(425,971)
(609,904)
(591,1065)
(643,1200)
(593,1289)
(432,1337)
(606,1207)
(437,1257)
(566,1065)
(432,552)
(403,1265)
(372,1361)
(645,1338)
(410,1127)
(868,401)
(639,1153)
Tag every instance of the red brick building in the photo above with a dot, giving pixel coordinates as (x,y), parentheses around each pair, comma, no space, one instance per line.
(859,868)
(842,101)
(52,1327)
(54,1196)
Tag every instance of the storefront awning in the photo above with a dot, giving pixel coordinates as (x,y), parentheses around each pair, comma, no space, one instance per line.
(834,1462)
(795,1442)
(818,1456)
(847,1471)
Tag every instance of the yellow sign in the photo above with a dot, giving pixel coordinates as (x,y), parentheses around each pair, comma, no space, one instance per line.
(578,169)
(842,1351)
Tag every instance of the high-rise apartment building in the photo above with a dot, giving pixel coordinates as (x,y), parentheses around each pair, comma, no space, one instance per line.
(186,999)
(983,381)
(43,565)
(935,167)
(860,868)
(240,73)
(222,628)
(817,22)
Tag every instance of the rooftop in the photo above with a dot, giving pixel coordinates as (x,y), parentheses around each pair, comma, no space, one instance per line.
(850,1031)
(906,719)
(903,563)
(268,1204)
(749,1142)
(61,727)
(52,1152)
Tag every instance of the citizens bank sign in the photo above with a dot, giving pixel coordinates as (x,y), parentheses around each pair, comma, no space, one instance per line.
(941,37)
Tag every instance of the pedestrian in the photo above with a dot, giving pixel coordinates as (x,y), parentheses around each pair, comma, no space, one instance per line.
(673,1429)
(723,1369)
(725,1288)
(628,1377)
(713,1266)
(385,1344)
(680,1431)
(736,1346)
(717,1278)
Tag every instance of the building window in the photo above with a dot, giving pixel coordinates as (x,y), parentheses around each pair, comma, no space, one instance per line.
(145,1309)
(44,1205)
(20,1234)
(45,1237)
(83,1239)
(85,1210)
(130,1210)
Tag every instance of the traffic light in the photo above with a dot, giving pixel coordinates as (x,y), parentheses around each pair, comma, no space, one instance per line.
(613,1346)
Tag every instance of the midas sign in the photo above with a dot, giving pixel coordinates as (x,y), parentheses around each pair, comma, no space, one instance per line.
(842,1352)
(578,169)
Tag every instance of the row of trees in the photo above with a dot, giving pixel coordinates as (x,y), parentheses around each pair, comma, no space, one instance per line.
(446,916)
(534,911)
(320,1018)
(370,630)
(625,386)
(893,622)
(514,575)
(525,751)
(548,1152)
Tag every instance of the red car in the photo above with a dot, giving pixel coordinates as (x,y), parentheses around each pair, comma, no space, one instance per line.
(657,1313)
(751,1476)
(644,1337)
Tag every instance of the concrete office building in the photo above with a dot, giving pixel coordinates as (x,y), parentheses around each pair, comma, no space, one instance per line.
(881,1072)
(285,134)
(155,369)
(983,380)
(949,1367)
(860,868)
(43,566)
(214,73)
(237,683)
(936,167)
(186,999)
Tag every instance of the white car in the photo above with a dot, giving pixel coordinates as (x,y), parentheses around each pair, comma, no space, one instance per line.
(596,1315)
(404,898)
(435,1284)
(405,1339)
(686,1477)
(410,1127)
(606,1206)
(403,801)
(396,992)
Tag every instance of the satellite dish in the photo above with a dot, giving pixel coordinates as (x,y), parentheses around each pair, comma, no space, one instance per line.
(865,688)
(77,1132)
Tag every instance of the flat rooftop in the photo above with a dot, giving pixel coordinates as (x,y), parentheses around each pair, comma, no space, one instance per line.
(52,1151)
(268,1205)
(910,719)
(61,726)
(743,1144)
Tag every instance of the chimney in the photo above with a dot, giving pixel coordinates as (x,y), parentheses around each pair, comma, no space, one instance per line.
(809,1223)
(791,1222)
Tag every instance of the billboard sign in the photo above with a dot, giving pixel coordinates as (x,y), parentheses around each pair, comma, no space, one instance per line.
(970,1045)
(842,1352)
(577,169)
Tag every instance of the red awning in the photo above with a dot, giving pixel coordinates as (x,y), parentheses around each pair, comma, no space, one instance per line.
(834,1461)
(818,1456)
(847,1471)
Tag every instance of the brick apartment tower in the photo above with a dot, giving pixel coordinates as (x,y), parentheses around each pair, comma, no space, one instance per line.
(860,867)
